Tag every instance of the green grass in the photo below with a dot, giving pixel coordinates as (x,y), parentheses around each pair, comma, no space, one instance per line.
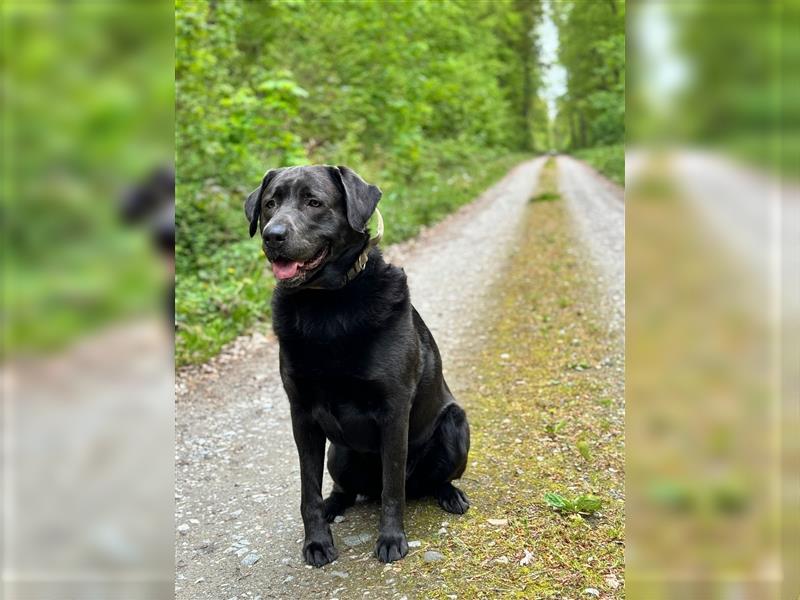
(547,190)
(220,300)
(78,286)
(223,294)
(608,160)
(545,197)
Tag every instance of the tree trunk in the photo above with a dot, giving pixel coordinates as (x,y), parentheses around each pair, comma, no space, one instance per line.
(584,142)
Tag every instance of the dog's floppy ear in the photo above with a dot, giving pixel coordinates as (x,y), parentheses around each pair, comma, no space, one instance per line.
(252,206)
(360,197)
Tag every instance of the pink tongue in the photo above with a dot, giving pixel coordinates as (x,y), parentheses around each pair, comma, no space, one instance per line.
(285,269)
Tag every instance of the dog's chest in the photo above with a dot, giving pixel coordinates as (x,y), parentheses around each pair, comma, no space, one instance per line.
(348,410)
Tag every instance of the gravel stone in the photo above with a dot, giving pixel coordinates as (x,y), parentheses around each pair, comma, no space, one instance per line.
(357,540)
(251,559)
(432,556)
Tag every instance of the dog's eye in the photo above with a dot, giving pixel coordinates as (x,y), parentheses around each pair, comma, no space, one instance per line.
(314,203)
(270,204)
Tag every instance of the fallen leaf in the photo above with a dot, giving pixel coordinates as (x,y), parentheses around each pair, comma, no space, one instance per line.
(498,522)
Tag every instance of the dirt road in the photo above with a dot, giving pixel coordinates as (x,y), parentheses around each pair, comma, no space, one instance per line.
(597,207)
(239,531)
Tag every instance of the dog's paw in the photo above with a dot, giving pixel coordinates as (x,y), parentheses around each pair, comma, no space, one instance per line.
(318,553)
(452,499)
(391,547)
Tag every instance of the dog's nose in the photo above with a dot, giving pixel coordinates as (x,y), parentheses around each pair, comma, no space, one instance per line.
(275,233)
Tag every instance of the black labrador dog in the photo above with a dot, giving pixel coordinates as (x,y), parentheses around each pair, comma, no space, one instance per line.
(152,203)
(358,364)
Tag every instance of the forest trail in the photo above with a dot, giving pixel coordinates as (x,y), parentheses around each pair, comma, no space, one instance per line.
(239,530)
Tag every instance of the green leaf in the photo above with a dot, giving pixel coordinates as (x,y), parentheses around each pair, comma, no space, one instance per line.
(553,428)
(556,501)
(588,504)
(585,504)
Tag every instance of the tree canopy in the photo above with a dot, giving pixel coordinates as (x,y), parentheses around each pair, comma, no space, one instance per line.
(592,50)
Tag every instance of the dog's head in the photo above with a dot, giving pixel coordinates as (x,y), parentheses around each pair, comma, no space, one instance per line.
(152,203)
(311,220)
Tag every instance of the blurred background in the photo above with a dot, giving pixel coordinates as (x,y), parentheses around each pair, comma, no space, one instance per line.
(712,230)
(87,365)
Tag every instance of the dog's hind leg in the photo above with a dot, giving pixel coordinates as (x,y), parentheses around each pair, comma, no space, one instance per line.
(353,473)
(452,499)
(445,459)
(341,498)
(337,502)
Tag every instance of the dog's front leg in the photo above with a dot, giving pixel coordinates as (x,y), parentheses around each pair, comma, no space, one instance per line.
(318,546)
(392,544)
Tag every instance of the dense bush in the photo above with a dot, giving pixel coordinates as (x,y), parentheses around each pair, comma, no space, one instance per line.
(609,160)
(429,100)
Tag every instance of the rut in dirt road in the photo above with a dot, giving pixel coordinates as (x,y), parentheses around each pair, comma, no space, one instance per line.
(598,209)
(237,477)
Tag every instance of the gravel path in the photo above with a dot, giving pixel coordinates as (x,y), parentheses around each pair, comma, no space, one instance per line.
(742,209)
(237,479)
(598,209)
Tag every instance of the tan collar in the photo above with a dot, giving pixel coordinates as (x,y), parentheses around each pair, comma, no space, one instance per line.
(361,261)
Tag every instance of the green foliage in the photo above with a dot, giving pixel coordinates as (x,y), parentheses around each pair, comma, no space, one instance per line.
(431,101)
(552,429)
(87,117)
(592,50)
(733,88)
(545,197)
(228,288)
(609,160)
(585,504)
(734,98)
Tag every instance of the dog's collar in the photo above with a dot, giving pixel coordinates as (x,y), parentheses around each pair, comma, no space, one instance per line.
(361,261)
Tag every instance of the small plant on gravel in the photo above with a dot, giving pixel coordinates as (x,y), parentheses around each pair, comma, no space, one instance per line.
(579,366)
(585,504)
(552,429)
(584,450)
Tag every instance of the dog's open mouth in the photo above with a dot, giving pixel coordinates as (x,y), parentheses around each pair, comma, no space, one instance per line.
(286,269)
